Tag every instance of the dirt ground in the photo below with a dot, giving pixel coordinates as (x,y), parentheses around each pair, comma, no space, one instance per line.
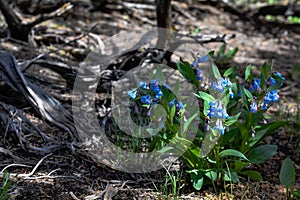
(68,175)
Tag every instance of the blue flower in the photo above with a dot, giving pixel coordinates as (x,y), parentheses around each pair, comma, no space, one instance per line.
(132,93)
(144,85)
(198,74)
(202,59)
(195,64)
(172,103)
(272,81)
(220,85)
(158,94)
(179,105)
(146,99)
(219,126)
(217,110)
(253,107)
(255,85)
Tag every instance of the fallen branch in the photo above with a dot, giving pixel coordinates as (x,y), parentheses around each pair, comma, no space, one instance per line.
(19,29)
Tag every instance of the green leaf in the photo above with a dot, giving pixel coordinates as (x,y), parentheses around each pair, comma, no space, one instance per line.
(211,53)
(244,97)
(215,71)
(232,119)
(263,82)
(239,165)
(248,72)
(222,50)
(265,130)
(232,152)
(229,71)
(254,175)
(188,122)
(212,175)
(231,53)
(276,86)
(262,153)
(197,178)
(248,94)
(287,173)
(264,70)
(188,73)
(205,96)
(296,193)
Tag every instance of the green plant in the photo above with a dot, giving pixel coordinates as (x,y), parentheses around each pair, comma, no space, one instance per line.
(224,58)
(287,178)
(170,189)
(6,184)
(233,121)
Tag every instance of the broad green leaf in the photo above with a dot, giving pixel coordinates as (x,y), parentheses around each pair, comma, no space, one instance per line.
(197,178)
(222,50)
(239,165)
(188,122)
(276,86)
(287,173)
(231,53)
(254,175)
(232,152)
(212,175)
(265,130)
(262,153)
(205,96)
(188,73)
(215,71)
(264,70)
(229,71)
(248,72)
(211,53)
(232,119)
(248,94)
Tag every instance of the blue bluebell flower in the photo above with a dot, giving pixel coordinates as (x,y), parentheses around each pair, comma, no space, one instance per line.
(198,74)
(217,110)
(132,93)
(255,85)
(146,99)
(172,103)
(221,84)
(179,105)
(202,59)
(219,126)
(144,85)
(253,107)
(195,64)
(271,81)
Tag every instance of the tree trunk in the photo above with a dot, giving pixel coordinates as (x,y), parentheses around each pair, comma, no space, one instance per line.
(163,14)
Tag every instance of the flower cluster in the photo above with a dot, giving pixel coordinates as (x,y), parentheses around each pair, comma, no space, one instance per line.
(153,96)
(150,94)
(271,96)
(218,111)
(221,84)
(195,66)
